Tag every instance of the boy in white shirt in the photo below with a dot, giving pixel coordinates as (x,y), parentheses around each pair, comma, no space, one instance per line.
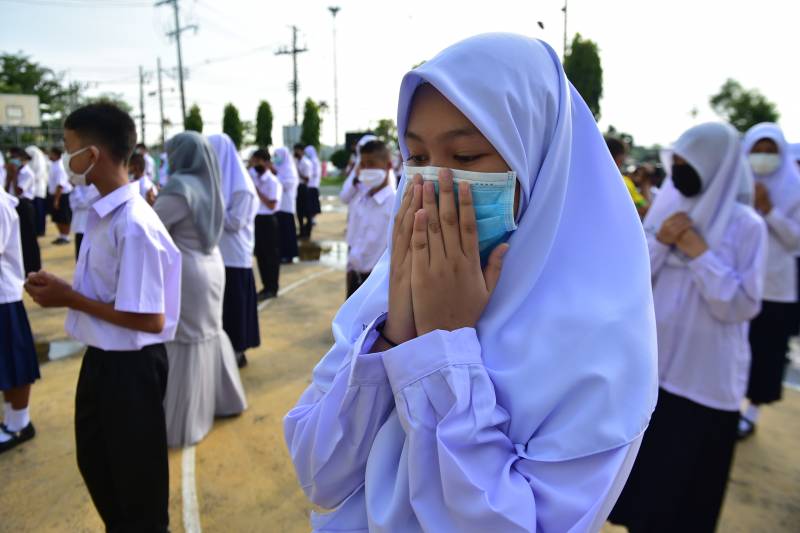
(21,184)
(58,191)
(267,251)
(305,169)
(136,167)
(149,162)
(370,199)
(124,304)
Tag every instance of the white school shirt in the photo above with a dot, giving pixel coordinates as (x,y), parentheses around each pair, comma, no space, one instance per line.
(367,228)
(149,166)
(80,200)
(127,258)
(305,168)
(268,185)
(58,178)
(25,182)
(703,311)
(145,184)
(784,244)
(12,273)
(238,236)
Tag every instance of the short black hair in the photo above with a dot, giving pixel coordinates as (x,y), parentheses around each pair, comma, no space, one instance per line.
(107,125)
(615,146)
(377,148)
(299,146)
(262,154)
(16,151)
(55,150)
(136,159)
(141,145)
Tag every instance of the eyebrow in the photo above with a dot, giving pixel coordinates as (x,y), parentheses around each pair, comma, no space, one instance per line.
(466,131)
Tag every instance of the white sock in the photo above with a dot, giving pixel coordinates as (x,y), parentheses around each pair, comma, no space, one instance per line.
(64,236)
(6,408)
(752,413)
(17,419)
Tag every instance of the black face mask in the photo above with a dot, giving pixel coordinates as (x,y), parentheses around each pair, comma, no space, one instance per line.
(260,169)
(686,180)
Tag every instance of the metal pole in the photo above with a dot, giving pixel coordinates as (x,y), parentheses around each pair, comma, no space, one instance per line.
(141,104)
(565,28)
(334,10)
(180,62)
(161,102)
(294,66)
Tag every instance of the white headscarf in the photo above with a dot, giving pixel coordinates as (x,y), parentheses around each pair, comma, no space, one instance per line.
(783,184)
(2,172)
(233,175)
(39,165)
(316,165)
(794,150)
(568,337)
(713,150)
(287,170)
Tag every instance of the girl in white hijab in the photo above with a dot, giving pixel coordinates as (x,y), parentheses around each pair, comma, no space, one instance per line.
(286,172)
(707,253)
(40,166)
(777,200)
(485,401)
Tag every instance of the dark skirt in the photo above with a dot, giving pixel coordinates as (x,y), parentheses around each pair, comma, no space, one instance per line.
(18,363)
(301,202)
(679,478)
(31,256)
(287,230)
(795,315)
(40,215)
(769,342)
(267,252)
(240,309)
(62,215)
(314,207)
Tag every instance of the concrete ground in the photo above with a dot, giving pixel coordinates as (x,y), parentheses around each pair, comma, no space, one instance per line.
(240,479)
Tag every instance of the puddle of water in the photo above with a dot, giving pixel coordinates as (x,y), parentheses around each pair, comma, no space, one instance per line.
(328,253)
(65,348)
(792,376)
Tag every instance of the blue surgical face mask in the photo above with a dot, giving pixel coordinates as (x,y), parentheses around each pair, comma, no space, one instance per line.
(492,197)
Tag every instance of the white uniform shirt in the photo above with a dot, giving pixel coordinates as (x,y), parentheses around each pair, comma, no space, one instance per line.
(305,169)
(784,243)
(268,185)
(367,228)
(127,258)
(58,178)
(149,166)
(238,236)
(12,273)
(703,311)
(145,184)
(80,200)
(25,181)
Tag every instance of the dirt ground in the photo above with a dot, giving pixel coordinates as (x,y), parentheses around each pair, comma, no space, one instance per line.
(243,477)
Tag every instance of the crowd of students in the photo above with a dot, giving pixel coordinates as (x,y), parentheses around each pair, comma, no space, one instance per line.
(523,347)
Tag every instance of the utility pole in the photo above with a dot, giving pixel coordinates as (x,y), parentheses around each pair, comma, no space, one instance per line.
(141,104)
(334,10)
(177,34)
(293,51)
(564,9)
(160,102)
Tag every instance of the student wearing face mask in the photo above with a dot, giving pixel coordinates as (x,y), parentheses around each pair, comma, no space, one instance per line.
(370,213)
(20,183)
(707,257)
(59,192)
(497,369)
(267,234)
(777,200)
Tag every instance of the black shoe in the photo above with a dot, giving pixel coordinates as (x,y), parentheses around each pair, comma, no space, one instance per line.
(742,434)
(241,360)
(265,295)
(61,241)
(17,437)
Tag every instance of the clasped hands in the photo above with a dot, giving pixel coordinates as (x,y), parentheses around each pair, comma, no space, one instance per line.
(436,280)
(678,231)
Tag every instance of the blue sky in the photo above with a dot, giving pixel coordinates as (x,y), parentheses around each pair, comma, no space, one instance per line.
(661,59)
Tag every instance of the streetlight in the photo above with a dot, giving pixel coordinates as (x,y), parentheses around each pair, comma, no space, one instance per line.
(334,10)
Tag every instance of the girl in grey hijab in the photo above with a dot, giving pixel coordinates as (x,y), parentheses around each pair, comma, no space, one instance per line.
(203,377)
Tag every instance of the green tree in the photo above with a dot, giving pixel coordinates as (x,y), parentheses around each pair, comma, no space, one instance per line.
(194,120)
(583,68)
(386,130)
(20,75)
(108,97)
(232,125)
(340,158)
(264,125)
(312,124)
(743,108)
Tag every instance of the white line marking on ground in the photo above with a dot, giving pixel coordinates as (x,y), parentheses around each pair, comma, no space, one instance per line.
(191,510)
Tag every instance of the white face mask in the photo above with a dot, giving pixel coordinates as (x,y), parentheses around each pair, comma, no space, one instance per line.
(75,178)
(371,177)
(764,164)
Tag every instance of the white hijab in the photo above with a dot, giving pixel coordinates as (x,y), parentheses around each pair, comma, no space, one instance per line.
(316,165)
(783,184)
(713,150)
(233,175)
(287,170)
(2,172)
(568,337)
(794,149)
(39,165)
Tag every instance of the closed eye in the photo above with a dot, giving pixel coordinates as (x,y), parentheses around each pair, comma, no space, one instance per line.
(417,159)
(467,158)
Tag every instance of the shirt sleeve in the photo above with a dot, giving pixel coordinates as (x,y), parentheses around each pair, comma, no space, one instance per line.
(331,429)
(733,291)
(239,211)
(349,190)
(464,472)
(658,254)
(143,269)
(786,227)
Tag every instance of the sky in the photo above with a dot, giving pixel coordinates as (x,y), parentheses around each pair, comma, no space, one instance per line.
(661,59)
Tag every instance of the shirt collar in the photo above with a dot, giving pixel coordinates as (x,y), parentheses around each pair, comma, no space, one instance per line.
(382,194)
(106,204)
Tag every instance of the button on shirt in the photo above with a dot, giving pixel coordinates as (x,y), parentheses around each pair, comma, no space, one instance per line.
(367,228)
(127,258)
(11,271)
(25,182)
(58,178)
(268,185)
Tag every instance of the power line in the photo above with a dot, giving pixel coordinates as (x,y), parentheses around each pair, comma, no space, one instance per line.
(293,51)
(177,34)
